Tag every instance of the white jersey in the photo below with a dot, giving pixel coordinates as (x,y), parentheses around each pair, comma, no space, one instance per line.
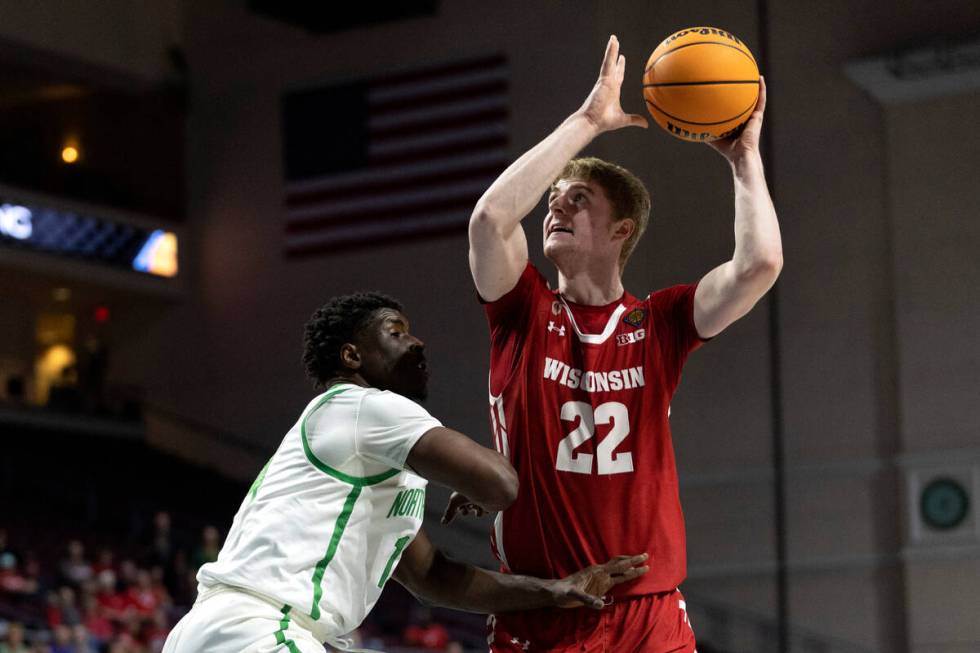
(326,521)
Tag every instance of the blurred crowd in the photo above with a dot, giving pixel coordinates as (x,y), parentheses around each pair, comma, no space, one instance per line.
(114,601)
(78,596)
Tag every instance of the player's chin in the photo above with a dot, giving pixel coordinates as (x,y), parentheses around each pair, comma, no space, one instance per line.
(555,251)
(417,390)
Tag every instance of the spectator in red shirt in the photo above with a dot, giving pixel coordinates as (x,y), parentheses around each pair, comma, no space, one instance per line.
(112,603)
(142,596)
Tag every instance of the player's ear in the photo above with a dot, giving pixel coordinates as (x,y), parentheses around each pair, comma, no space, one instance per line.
(350,356)
(624,228)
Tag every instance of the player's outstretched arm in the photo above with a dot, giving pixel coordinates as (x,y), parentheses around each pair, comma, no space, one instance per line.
(450,458)
(498,246)
(729,291)
(433,577)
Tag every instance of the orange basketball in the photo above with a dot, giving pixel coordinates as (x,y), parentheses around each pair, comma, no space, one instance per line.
(701,84)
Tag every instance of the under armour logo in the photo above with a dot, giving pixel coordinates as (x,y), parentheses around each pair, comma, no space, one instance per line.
(559,329)
(524,644)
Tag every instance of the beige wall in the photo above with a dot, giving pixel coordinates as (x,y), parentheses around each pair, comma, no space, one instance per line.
(119,35)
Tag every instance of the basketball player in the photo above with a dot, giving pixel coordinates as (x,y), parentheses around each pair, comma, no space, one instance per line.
(581,377)
(336,511)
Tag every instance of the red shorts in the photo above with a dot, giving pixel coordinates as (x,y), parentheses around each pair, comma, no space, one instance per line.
(653,623)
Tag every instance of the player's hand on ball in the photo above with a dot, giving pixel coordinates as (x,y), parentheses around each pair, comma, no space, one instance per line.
(588,586)
(747,140)
(459,504)
(602,107)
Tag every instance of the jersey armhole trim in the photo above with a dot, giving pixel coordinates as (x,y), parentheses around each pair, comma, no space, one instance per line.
(358,481)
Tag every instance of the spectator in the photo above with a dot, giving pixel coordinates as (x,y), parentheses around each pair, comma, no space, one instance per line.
(105,560)
(61,640)
(125,643)
(207,551)
(426,633)
(82,640)
(141,596)
(112,603)
(33,583)
(157,631)
(11,581)
(161,549)
(75,569)
(127,574)
(14,641)
(97,625)
(70,614)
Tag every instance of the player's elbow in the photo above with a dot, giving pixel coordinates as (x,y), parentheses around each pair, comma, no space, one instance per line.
(764,267)
(486,220)
(501,487)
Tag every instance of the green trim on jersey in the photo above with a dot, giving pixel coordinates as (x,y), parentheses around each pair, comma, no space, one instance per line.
(338,532)
(281,633)
(358,481)
(257,483)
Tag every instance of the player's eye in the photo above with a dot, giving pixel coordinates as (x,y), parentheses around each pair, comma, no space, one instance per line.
(578,197)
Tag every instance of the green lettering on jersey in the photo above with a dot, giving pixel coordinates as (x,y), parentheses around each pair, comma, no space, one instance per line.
(397,504)
(408,502)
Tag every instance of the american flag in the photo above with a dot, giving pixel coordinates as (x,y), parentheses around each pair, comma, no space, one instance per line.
(400,156)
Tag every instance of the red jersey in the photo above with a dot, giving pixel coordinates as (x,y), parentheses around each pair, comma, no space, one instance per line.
(579,402)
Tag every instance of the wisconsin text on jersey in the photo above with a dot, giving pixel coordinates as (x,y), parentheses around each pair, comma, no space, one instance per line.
(624,379)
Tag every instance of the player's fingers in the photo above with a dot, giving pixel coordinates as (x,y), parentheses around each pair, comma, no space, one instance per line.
(450,514)
(610,58)
(621,68)
(456,501)
(594,602)
(624,562)
(760,105)
(630,574)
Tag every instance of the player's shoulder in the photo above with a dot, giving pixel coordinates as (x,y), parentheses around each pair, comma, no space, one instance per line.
(386,402)
(669,295)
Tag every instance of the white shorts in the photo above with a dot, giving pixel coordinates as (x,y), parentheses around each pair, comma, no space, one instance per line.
(227,620)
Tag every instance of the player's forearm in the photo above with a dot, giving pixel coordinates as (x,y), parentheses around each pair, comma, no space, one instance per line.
(758,244)
(519,188)
(460,586)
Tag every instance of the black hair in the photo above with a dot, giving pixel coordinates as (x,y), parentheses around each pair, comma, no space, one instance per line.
(335,323)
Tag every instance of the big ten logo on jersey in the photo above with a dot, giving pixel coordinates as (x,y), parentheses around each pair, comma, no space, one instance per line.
(631,337)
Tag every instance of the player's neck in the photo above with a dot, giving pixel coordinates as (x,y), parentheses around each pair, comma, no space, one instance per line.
(353,379)
(590,285)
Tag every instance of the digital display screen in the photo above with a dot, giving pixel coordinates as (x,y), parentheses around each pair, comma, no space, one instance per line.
(89,238)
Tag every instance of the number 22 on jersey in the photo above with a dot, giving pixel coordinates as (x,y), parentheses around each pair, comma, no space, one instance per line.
(606,461)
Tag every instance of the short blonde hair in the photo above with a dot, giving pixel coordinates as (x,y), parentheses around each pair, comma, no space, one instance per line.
(626,193)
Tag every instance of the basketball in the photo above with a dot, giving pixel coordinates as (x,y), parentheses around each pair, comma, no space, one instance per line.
(701,84)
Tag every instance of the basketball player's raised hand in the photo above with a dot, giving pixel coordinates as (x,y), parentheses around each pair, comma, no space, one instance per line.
(588,586)
(747,140)
(602,107)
